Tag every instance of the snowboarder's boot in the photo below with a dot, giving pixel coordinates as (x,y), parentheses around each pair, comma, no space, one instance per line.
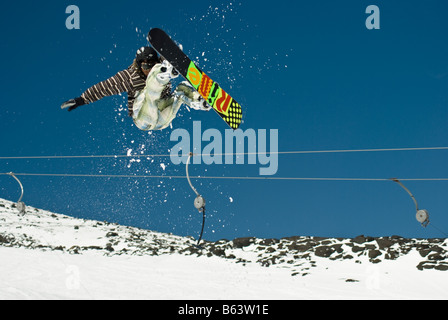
(191,97)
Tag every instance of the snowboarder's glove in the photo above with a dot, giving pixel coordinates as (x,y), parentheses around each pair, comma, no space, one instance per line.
(72,104)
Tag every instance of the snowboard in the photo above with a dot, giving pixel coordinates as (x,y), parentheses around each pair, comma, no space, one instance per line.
(227,107)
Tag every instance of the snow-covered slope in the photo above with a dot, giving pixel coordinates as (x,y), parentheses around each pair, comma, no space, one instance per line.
(44,255)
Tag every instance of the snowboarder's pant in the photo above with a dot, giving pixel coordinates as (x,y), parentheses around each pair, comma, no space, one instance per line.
(155,114)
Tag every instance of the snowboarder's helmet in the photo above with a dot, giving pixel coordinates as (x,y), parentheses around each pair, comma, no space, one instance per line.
(146,53)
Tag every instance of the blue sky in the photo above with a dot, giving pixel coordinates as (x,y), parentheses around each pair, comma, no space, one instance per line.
(310,69)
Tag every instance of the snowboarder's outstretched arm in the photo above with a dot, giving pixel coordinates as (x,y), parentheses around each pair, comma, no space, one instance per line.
(119,83)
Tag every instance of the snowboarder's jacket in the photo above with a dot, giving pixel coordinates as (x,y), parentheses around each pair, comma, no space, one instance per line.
(132,80)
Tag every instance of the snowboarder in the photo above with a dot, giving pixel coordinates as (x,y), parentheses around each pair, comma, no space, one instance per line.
(151,104)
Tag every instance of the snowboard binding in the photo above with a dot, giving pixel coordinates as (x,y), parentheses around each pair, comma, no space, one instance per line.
(191,97)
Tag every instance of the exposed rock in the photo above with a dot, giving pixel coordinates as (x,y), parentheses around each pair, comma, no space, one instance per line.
(217,251)
(337,248)
(356,249)
(361,239)
(384,243)
(111,234)
(3,239)
(300,247)
(374,253)
(443,266)
(269,242)
(270,249)
(436,256)
(324,251)
(391,255)
(243,242)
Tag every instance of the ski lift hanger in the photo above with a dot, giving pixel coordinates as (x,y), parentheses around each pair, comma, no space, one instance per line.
(422,215)
(20,205)
(199,201)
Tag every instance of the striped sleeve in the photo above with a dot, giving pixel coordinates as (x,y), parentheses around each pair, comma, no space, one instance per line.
(114,85)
